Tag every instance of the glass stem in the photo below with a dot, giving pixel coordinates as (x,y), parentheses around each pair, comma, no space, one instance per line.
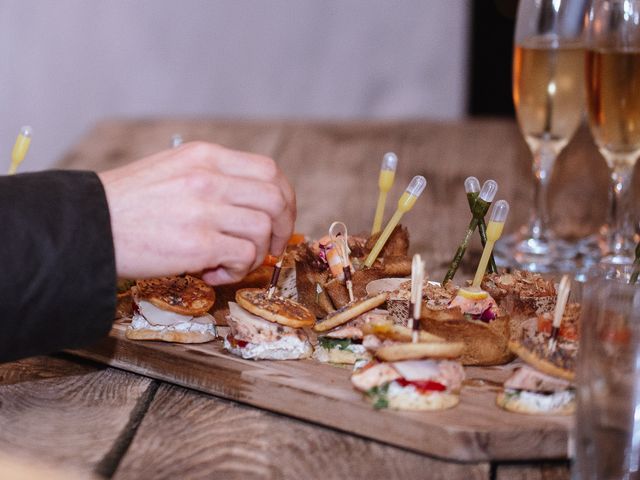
(543,160)
(621,232)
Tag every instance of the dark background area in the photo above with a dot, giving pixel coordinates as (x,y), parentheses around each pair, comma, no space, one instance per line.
(492,28)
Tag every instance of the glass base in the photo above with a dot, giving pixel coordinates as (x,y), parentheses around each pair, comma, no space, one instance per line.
(549,255)
(596,248)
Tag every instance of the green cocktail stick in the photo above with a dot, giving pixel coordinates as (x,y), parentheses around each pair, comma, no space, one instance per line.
(480,208)
(636,266)
(472,187)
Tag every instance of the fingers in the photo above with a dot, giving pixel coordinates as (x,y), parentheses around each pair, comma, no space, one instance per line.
(244,223)
(232,259)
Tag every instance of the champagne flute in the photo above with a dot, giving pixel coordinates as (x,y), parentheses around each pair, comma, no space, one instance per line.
(548,93)
(613,99)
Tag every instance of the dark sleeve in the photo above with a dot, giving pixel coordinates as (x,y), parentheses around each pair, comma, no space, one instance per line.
(57,264)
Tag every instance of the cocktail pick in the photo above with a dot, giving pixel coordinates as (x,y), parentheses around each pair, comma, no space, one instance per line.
(561,303)
(406,203)
(176,140)
(20,148)
(385,182)
(472,188)
(479,210)
(339,239)
(417,277)
(273,284)
(499,214)
(636,266)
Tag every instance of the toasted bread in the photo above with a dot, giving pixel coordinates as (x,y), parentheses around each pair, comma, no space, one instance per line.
(424,402)
(169,335)
(397,244)
(124,304)
(539,362)
(522,294)
(416,351)
(519,404)
(310,283)
(485,343)
(349,312)
(184,295)
(276,309)
(390,331)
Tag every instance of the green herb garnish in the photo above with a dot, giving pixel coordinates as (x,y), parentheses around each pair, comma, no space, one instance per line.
(379,396)
(330,343)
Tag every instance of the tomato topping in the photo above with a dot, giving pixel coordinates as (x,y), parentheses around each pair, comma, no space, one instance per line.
(296,239)
(422,385)
(270,261)
(235,342)
(566,331)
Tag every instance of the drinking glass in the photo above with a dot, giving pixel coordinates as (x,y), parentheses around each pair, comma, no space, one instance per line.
(613,99)
(548,93)
(608,380)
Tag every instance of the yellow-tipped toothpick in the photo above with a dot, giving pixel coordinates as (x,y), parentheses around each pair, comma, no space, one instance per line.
(406,203)
(385,182)
(495,226)
(20,149)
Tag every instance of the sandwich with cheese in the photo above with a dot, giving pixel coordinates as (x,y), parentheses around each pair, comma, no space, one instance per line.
(544,385)
(172,309)
(340,332)
(263,328)
(412,376)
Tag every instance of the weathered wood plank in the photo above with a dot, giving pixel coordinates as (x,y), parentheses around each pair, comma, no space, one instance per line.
(476,430)
(187,434)
(544,471)
(66,413)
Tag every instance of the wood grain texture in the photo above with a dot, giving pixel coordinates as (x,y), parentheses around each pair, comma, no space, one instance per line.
(187,434)
(63,412)
(476,430)
(334,167)
(545,471)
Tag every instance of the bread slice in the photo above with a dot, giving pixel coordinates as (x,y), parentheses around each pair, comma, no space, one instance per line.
(184,295)
(167,335)
(341,356)
(419,350)
(526,402)
(387,330)
(540,363)
(423,402)
(275,309)
(349,312)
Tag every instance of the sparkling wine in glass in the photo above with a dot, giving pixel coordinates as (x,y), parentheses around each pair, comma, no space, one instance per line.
(613,99)
(548,93)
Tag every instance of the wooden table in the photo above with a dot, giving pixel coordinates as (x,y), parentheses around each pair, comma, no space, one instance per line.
(73,413)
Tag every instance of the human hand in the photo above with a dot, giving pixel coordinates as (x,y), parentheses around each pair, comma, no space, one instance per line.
(198,207)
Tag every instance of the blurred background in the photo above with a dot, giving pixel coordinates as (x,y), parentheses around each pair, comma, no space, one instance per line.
(67,64)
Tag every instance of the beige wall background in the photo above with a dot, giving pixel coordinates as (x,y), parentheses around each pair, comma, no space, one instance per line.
(65,64)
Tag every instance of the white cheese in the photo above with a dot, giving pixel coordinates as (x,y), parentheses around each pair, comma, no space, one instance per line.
(287,348)
(203,324)
(157,316)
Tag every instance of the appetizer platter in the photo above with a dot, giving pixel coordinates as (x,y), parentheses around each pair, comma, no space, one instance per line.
(351,333)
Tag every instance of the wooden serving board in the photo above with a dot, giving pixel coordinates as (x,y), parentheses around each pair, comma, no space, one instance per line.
(475,430)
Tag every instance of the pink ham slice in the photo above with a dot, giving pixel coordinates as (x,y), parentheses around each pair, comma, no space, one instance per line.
(528,378)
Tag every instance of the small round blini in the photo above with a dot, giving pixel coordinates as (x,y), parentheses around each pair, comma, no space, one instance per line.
(416,351)
(184,295)
(275,309)
(349,312)
(527,404)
